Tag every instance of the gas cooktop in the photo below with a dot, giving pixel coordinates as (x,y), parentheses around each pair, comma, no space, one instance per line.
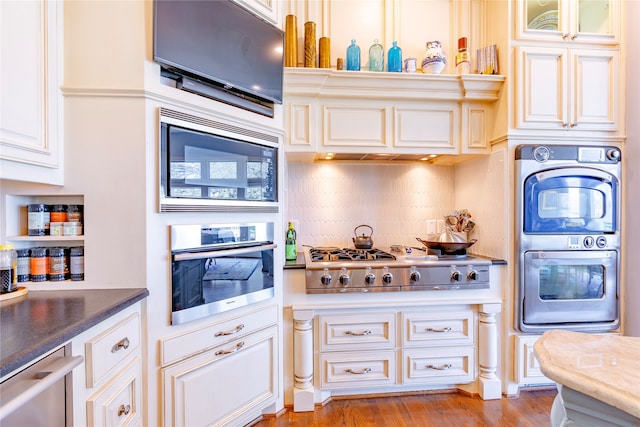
(399,268)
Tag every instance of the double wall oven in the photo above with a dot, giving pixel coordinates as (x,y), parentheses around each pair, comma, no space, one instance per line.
(568,237)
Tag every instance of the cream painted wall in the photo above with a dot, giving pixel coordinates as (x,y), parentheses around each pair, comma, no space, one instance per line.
(631,182)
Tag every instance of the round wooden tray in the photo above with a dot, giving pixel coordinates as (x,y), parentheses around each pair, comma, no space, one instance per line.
(22,290)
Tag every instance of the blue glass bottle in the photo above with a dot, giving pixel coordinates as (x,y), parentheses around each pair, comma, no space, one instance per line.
(394,59)
(376,57)
(353,56)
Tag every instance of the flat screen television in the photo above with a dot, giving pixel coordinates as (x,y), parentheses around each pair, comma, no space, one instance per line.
(220,50)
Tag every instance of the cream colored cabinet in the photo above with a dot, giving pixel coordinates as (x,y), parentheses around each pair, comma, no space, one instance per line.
(221,373)
(224,385)
(527,366)
(580,21)
(438,347)
(109,391)
(567,89)
(31,111)
(266,9)
(357,350)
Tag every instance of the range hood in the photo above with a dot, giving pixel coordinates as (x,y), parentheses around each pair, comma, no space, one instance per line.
(382,116)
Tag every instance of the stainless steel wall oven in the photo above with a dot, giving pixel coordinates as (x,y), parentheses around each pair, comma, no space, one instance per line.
(568,237)
(210,166)
(219,267)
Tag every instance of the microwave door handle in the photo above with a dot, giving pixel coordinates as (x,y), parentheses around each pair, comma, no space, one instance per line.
(225,252)
(554,173)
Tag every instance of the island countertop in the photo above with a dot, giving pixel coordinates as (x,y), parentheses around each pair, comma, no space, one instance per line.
(605,367)
(40,321)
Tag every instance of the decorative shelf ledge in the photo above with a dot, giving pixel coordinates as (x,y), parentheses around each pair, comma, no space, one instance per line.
(324,82)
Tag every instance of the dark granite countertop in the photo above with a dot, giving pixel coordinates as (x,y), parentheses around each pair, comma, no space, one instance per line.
(40,321)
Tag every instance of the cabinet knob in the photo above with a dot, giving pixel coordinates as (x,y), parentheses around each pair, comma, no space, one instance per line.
(564,36)
(572,125)
(124,410)
(573,36)
(123,343)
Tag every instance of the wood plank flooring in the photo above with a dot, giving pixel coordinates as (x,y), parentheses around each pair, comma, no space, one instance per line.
(530,409)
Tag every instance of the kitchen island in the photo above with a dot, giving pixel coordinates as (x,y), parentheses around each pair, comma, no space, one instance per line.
(598,377)
(40,321)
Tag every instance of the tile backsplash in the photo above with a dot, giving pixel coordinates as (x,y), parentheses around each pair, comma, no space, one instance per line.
(328,200)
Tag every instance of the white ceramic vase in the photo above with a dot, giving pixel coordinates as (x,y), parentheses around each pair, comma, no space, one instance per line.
(434,59)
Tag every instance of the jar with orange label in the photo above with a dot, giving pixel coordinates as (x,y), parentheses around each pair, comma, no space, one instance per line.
(39,264)
(58,213)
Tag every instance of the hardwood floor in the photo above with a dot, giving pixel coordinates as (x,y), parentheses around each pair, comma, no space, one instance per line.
(530,409)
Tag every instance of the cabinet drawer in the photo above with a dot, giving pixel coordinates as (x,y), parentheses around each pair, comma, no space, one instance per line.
(438,328)
(527,366)
(358,369)
(442,365)
(362,331)
(194,341)
(118,402)
(221,386)
(107,351)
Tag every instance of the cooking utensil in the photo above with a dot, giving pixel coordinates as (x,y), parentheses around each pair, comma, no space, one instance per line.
(363,242)
(447,247)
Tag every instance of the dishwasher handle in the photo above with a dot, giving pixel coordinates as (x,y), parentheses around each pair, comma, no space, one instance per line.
(16,394)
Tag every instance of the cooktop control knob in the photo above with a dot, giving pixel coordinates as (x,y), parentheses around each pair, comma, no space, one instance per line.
(414,275)
(472,274)
(344,278)
(369,277)
(325,279)
(455,274)
(387,277)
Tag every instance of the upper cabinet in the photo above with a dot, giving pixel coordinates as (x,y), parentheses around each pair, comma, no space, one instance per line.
(584,21)
(30,100)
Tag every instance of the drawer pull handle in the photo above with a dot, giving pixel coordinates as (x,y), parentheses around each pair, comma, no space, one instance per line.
(358,334)
(124,410)
(237,347)
(123,343)
(438,329)
(440,368)
(364,371)
(235,331)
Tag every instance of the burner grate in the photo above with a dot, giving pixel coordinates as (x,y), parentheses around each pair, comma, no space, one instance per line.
(349,254)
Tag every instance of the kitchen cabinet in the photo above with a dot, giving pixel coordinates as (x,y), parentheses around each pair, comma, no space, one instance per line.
(222,373)
(266,9)
(567,89)
(596,22)
(108,392)
(438,347)
(363,115)
(31,111)
(527,366)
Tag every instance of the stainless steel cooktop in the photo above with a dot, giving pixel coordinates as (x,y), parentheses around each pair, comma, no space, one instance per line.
(395,269)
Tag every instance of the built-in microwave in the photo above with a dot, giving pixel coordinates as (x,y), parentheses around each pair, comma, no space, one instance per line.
(210,166)
(220,267)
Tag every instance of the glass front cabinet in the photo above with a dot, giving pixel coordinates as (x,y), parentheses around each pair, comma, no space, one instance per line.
(584,21)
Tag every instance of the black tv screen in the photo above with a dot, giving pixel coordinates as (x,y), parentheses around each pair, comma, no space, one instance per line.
(219,43)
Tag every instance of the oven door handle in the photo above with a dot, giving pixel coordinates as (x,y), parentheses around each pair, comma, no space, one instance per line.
(591,173)
(19,393)
(225,252)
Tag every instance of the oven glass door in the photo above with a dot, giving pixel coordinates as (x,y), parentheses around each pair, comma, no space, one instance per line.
(570,200)
(211,282)
(200,165)
(570,287)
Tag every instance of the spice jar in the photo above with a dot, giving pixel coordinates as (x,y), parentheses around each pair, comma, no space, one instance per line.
(8,269)
(76,263)
(23,269)
(38,219)
(58,213)
(39,267)
(74,213)
(57,265)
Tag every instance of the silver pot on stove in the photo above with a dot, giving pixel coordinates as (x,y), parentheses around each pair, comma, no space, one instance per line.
(364,241)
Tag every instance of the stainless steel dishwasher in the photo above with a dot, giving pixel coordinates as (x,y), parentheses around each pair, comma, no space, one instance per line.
(40,395)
